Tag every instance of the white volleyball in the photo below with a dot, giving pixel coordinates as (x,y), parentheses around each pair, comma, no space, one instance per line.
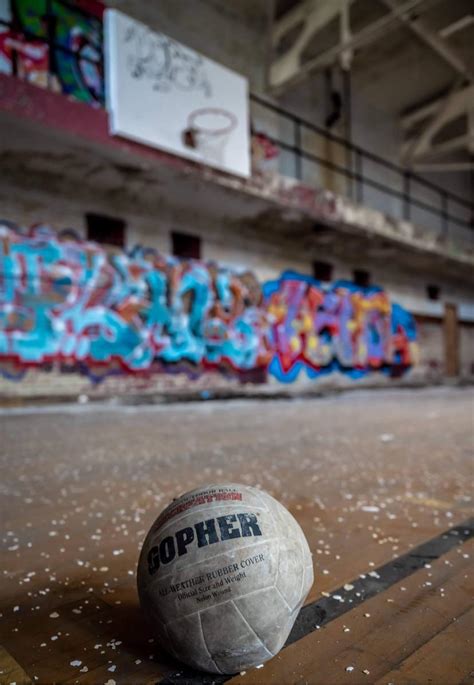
(222,575)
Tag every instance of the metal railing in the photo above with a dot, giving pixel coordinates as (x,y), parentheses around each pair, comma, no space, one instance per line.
(306,151)
(357,173)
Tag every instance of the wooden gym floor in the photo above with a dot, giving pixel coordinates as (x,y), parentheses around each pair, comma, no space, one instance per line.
(375,479)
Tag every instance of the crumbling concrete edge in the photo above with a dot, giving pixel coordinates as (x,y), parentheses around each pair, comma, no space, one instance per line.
(219,394)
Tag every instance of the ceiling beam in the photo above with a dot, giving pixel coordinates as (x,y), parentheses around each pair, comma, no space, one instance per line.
(456,104)
(421,112)
(451,145)
(417,114)
(434,41)
(288,70)
(456,26)
(470,123)
(312,15)
(291,19)
(345,57)
(448,108)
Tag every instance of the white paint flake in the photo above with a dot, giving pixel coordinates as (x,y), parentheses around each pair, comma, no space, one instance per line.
(386,437)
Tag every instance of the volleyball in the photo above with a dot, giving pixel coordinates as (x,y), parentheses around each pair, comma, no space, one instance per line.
(222,575)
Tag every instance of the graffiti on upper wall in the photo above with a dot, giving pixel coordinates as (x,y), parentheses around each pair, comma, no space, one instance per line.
(73,64)
(67,301)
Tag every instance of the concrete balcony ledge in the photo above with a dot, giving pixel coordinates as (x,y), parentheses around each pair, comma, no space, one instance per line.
(413,235)
(323,205)
(45,135)
(123,395)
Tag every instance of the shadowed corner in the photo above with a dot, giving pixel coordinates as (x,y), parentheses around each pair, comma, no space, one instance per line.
(11,671)
(129,625)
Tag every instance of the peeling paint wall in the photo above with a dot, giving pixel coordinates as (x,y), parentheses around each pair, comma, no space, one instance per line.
(466,331)
(431,346)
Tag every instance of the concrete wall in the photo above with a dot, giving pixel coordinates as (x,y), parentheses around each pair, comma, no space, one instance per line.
(265,251)
(267,254)
(232,36)
(431,347)
(466,331)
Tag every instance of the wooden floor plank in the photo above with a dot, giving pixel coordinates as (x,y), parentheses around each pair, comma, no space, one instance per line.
(92,631)
(447,658)
(11,671)
(81,488)
(367,642)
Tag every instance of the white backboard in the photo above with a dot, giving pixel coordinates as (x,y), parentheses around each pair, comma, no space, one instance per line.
(163,94)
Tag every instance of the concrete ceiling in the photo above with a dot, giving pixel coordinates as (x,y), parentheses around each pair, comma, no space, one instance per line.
(397,70)
(393,73)
(411,61)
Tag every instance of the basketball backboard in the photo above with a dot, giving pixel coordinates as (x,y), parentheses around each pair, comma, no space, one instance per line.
(163,94)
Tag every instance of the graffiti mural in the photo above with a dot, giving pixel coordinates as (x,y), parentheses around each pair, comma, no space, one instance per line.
(319,328)
(68,302)
(73,65)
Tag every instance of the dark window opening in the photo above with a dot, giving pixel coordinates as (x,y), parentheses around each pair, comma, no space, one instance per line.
(361,278)
(186,245)
(106,230)
(321,229)
(433,292)
(322,271)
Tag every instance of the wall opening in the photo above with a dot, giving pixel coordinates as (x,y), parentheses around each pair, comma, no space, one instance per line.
(106,230)
(361,278)
(185,245)
(323,271)
(433,292)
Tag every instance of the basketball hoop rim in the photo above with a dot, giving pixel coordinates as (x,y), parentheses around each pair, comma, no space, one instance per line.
(212,131)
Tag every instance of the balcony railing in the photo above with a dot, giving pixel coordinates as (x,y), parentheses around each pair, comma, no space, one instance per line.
(315,155)
(63,50)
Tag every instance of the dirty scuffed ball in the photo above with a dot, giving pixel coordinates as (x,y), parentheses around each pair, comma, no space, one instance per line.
(222,575)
